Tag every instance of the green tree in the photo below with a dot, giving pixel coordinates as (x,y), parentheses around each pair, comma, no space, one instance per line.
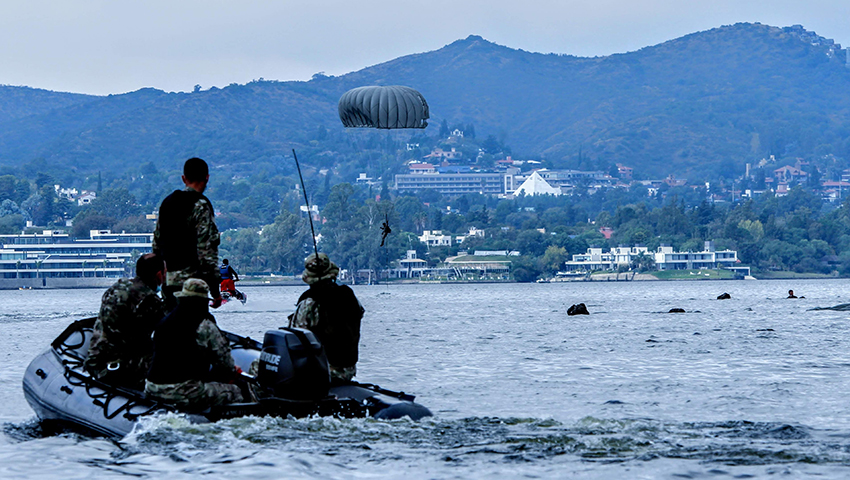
(340,207)
(409,209)
(135,224)
(12,224)
(444,128)
(83,225)
(285,243)
(524,269)
(7,187)
(117,203)
(553,259)
(643,262)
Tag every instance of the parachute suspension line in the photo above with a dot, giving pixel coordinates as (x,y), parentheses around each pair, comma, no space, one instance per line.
(385,233)
(306,202)
(387,263)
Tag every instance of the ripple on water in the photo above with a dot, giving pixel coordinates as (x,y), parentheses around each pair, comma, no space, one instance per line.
(475,439)
(677,405)
(329,447)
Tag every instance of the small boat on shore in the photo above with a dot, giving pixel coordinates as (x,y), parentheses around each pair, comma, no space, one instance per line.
(63,394)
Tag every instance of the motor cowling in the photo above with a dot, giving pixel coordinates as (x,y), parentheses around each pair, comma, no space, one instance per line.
(293,365)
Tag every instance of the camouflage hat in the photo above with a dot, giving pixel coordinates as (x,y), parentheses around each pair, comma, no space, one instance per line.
(194,287)
(318,268)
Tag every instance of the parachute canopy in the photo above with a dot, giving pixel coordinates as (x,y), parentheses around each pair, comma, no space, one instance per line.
(383,107)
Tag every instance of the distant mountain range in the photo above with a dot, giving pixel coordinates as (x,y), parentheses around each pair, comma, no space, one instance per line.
(700,105)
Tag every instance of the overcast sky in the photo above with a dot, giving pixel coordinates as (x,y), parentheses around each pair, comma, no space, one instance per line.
(109,46)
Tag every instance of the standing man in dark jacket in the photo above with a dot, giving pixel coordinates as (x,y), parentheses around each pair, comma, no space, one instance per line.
(186,235)
(192,366)
(333,313)
(121,347)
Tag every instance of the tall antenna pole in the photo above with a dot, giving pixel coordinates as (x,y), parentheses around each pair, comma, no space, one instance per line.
(307,202)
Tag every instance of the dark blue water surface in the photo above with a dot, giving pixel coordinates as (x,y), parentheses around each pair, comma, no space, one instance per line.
(754,386)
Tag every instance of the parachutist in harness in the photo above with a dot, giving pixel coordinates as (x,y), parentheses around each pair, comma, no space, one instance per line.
(385,230)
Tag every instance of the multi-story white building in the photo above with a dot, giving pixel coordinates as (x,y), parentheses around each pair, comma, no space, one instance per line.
(595,259)
(52,254)
(435,238)
(451,183)
(665,258)
(473,232)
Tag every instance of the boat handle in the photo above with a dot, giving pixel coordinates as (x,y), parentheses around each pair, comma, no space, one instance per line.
(41,373)
(66,389)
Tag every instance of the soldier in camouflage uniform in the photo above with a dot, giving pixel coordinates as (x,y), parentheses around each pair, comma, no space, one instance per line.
(121,347)
(186,235)
(333,313)
(192,367)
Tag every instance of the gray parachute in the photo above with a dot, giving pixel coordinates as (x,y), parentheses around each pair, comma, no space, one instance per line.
(383,107)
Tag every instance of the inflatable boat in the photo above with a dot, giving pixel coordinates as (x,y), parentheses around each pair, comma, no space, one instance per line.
(63,394)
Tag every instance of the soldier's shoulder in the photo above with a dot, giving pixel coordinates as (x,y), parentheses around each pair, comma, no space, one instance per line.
(150,299)
(141,288)
(208,329)
(345,291)
(203,205)
(122,286)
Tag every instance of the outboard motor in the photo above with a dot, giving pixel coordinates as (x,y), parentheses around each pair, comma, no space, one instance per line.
(293,365)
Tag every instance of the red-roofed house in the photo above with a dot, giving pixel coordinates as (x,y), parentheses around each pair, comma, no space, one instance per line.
(624,172)
(419,168)
(439,154)
(789,174)
(675,182)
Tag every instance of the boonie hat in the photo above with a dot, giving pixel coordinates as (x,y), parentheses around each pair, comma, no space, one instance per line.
(194,287)
(318,268)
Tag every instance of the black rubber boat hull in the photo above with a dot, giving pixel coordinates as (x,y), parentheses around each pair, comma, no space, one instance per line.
(60,391)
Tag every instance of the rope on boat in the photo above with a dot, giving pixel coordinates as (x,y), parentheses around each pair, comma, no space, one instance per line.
(107,394)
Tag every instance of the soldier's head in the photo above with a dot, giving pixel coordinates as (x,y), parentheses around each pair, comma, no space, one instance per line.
(225,262)
(196,174)
(195,292)
(318,268)
(150,268)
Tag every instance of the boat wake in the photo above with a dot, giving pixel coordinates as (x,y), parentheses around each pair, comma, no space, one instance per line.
(505,439)
(476,447)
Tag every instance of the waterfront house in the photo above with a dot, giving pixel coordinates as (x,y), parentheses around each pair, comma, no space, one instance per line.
(665,258)
(435,238)
(410,266)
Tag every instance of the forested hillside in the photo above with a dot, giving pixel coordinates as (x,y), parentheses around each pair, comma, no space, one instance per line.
(701,105)
(19,102)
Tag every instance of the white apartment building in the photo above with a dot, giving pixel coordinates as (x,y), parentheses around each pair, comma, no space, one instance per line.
(435,238)
(665,258)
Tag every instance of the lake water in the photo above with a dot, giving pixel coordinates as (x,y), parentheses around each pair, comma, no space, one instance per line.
(751,387)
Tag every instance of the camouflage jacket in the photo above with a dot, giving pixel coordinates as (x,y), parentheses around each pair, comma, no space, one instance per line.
(196,394)
(213,341)
(129,311)
(333,313)
(202,219)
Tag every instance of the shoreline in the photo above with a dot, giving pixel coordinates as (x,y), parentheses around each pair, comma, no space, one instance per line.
(72,284)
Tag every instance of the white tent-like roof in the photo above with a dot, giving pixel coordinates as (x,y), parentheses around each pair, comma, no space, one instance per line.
(535,185)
